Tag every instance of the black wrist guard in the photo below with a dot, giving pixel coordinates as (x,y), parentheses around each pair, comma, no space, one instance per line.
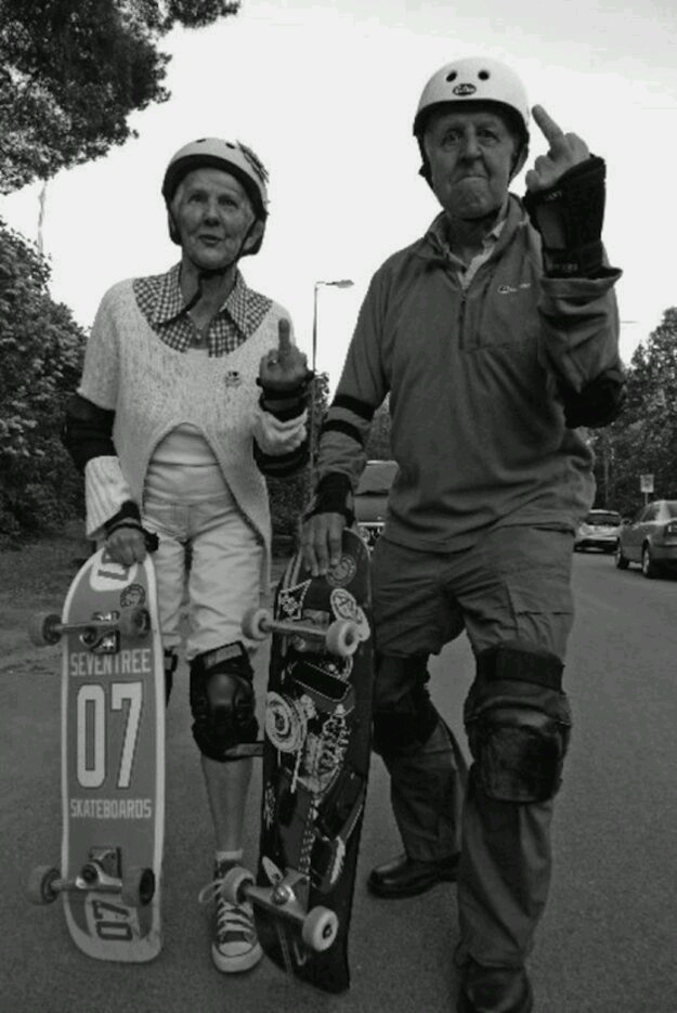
(333,495)
(129,516)
(569,217)
(287,403)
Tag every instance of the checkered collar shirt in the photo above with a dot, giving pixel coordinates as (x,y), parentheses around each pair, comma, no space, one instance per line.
(161,301)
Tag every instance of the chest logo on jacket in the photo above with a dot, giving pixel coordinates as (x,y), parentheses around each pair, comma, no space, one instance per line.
(511,289)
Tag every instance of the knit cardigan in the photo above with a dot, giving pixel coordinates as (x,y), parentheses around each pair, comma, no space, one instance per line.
(153,388)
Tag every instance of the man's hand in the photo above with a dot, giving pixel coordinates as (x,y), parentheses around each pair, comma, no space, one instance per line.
(126,546)
(284,367)
(321,542)
(566,151)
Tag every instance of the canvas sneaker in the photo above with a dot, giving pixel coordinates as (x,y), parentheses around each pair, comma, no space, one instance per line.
(235,946)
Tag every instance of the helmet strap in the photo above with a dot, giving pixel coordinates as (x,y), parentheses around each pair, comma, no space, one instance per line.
(206,273)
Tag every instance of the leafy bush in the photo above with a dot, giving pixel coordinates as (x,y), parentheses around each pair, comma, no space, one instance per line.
(41,349)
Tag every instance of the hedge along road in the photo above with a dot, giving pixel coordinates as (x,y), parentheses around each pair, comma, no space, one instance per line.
(607,941)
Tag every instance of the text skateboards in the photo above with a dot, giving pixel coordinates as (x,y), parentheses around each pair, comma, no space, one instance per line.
(112,761)
(315,766)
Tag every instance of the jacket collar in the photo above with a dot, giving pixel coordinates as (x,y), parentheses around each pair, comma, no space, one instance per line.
(434,244)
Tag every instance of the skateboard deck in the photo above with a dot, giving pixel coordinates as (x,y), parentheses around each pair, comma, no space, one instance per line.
(315,766)
(112,761)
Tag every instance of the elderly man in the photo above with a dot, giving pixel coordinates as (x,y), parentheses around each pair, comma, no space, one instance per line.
(191,389)
(496,335)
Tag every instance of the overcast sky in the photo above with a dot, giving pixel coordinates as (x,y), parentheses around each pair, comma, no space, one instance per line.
(326,95)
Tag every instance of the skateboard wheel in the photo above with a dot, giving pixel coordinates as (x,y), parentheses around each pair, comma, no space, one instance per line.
(41,884)
(285,724)
(235,883)
(319,929)
(138,887)
(135,622)
(256,623)
(43,629)
(342,638)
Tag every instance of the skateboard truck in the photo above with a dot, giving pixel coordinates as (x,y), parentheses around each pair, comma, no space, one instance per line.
(340,637)
(288,897)
(100,633)
(101,874)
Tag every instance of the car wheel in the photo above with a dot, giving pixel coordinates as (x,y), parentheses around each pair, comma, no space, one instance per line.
(649,568)
(621,562)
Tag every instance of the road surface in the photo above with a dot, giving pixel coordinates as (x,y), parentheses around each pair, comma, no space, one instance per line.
(608,942)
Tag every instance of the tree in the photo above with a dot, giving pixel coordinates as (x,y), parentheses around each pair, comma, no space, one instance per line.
(41,350)
(643,440)
(72,71)
(378,444)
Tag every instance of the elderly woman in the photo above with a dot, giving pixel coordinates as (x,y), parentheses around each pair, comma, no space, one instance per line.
(191,389)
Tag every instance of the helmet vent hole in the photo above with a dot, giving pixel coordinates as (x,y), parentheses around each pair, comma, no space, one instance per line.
(484,75)
(452,76)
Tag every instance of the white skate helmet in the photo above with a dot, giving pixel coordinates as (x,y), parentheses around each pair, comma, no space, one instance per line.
(474,79)
(230,156)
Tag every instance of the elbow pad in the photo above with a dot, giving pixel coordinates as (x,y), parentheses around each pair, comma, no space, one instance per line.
(87,431)
(596,405)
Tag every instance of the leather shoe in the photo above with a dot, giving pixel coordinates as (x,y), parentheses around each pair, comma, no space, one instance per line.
(406,877)
(494,990)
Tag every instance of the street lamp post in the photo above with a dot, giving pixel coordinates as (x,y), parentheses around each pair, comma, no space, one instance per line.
(341,283)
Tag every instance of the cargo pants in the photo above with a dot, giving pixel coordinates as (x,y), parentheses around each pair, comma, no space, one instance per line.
(513,584)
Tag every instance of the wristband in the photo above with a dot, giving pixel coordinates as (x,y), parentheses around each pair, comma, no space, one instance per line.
(128,511)
(333,495)
(129,516)
(287,403)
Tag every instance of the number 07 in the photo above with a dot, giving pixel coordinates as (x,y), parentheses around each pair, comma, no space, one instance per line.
(94,775)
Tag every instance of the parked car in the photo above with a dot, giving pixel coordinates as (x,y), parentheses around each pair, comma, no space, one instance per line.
(599,530)
(371,498)
(650,538)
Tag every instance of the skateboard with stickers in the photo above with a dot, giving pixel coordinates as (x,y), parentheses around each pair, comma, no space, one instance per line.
(315,765)
(112,761)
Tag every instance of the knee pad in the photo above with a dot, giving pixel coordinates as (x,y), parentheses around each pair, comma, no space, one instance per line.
(518,723)
(408,724)
(222,701)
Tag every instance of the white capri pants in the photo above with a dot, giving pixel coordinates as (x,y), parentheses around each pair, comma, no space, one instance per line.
(225,571)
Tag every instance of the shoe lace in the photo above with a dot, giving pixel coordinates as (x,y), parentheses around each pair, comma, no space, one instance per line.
(211,891)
